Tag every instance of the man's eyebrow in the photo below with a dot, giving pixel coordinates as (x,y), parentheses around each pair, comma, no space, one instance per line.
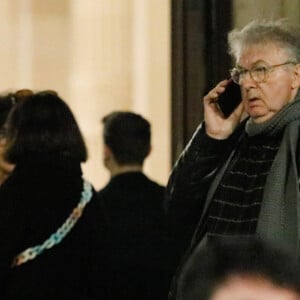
(252,65)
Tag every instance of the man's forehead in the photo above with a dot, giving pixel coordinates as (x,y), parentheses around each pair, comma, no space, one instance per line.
(252,288)
(261,54)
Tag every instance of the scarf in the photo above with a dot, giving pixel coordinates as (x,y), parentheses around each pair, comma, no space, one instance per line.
(279,218)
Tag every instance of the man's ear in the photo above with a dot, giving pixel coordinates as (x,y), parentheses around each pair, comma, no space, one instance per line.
(149,150)
(296,82)
(107,153)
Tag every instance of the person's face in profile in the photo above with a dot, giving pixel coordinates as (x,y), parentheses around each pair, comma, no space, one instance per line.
(5,167)
(251,288)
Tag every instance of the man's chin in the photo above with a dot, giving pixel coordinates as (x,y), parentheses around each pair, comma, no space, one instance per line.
(261,118)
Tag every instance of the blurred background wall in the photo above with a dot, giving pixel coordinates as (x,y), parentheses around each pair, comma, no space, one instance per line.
(104,55)
(99,55)
(246,10)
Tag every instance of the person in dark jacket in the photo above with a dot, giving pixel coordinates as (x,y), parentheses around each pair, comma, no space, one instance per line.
(134,207)
(241,176)
(52,234)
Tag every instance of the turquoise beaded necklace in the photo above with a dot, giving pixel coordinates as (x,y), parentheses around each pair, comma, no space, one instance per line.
(60,234)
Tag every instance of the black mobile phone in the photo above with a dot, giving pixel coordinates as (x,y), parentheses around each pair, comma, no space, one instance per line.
(230,99)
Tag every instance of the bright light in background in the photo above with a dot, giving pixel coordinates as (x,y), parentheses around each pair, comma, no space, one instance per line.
(99,56)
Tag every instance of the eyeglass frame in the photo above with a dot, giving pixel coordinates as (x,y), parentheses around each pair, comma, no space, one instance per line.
(266,70)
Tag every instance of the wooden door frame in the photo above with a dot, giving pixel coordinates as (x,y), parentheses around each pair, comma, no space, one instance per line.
(199,60)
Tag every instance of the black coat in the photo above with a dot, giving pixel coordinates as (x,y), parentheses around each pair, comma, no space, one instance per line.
(186,194)
(134,209)
(35,201)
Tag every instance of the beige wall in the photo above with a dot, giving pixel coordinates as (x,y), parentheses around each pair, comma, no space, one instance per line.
(100,56)
(247,10)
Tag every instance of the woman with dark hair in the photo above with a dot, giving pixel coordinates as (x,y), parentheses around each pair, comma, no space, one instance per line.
(52,234)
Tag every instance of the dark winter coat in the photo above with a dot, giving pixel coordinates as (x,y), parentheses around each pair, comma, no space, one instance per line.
(134,209)
(35,201)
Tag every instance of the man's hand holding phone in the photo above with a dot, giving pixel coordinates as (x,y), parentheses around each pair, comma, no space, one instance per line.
(223,109)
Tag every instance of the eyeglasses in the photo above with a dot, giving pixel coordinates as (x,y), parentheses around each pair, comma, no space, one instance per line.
(258,74)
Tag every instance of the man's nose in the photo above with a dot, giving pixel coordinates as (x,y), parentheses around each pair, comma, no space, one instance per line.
(246,81)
